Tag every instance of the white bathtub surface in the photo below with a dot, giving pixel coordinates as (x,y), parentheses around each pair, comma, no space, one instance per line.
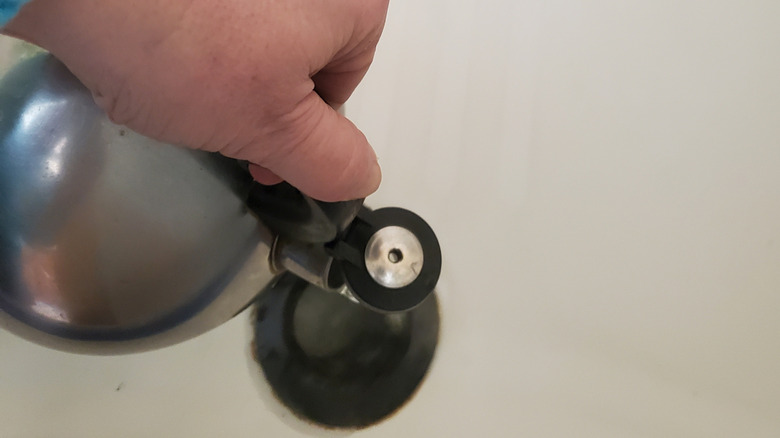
(604,177)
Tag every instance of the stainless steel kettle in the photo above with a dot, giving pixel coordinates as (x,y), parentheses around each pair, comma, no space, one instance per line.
(111,242)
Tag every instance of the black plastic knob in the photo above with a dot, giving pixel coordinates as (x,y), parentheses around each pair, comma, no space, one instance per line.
(350,250)
(292,215)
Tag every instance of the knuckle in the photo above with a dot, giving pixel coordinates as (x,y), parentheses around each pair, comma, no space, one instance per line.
(117,106)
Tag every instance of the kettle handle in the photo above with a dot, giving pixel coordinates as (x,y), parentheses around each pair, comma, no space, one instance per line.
(292,215)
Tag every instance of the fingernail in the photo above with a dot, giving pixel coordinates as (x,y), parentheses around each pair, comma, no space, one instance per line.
(376,176)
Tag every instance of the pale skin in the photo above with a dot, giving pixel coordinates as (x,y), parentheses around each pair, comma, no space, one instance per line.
(256,80)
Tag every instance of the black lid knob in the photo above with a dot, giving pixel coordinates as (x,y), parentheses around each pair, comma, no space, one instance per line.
(390,259)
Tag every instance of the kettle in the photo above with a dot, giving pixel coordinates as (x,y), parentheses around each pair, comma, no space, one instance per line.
(111,242)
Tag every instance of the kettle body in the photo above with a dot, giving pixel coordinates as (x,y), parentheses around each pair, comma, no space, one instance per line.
(111,242)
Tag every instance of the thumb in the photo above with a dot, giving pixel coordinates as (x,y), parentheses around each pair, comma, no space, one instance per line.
(323,154)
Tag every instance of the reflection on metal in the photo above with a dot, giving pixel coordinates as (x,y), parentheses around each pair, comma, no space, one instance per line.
(306,260)
(394,257)
(346,293)
(109,241)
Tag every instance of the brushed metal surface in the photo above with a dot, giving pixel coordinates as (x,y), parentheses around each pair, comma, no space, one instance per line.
(110,241)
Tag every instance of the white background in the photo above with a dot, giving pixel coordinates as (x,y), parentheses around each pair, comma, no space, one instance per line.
(604,177)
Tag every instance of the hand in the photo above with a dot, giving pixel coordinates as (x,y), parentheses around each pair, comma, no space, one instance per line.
(256,80)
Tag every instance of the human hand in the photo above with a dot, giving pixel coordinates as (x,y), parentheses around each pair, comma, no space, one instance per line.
(256,80)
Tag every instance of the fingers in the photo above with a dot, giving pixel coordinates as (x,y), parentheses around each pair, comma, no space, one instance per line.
(336,82)
(332,161)
(263,175)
